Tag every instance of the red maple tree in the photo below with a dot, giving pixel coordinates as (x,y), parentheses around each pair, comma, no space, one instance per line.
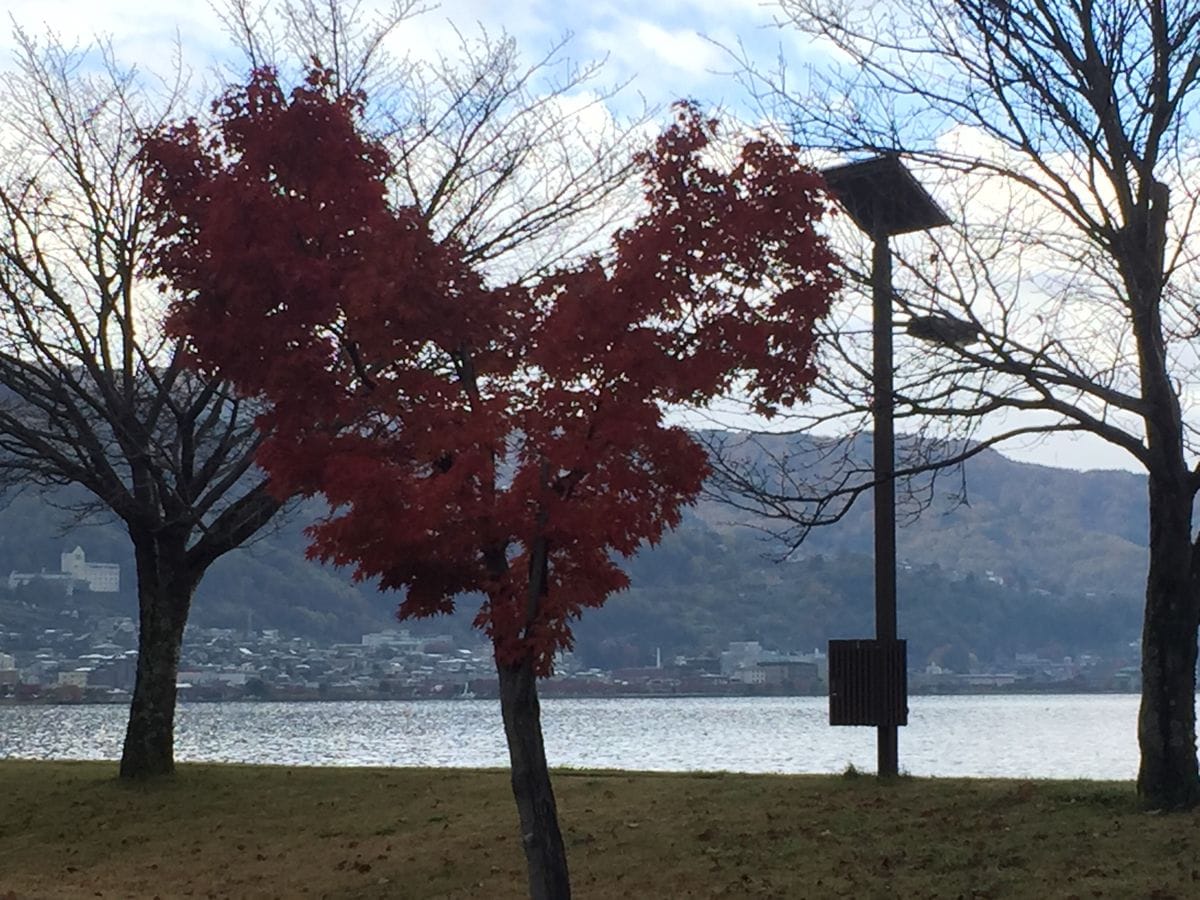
(503,440)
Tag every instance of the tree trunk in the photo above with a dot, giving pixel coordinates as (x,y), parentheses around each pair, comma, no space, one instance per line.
(545,856)
(1168,778)
(165,588)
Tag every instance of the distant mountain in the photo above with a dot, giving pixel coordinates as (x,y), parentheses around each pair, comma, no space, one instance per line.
(1036,558)
(1012,557)
(1035,526)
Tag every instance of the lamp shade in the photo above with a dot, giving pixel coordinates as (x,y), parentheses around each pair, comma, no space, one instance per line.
(883,197)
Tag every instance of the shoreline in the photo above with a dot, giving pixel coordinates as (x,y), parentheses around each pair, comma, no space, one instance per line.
(1023,691)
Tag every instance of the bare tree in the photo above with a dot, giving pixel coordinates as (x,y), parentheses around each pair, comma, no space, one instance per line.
(517,159)
(1062,136)
(92,392)
(520,162)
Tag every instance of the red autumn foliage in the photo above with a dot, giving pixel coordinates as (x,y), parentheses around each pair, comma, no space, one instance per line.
(462,431)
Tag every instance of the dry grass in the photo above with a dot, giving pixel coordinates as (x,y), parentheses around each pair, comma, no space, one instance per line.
(70,830)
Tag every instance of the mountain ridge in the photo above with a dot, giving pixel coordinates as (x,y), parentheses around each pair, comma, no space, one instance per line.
(1036,556)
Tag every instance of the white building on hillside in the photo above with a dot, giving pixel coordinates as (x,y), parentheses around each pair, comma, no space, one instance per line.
(100,578)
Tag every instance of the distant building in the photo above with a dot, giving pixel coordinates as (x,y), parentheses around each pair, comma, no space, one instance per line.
(399,639)
(20,579)
(751,675)
(118,671)
(100,578)
(212,676)
(789,673)
(820,660)
(742,655)
(77,678)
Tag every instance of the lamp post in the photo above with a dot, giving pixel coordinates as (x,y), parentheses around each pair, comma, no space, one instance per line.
(884,200)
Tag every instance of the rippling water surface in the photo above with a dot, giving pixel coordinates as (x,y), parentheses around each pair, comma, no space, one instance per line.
(1071,736)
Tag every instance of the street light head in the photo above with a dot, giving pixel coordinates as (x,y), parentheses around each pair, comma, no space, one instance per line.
(940,328)
(883,198)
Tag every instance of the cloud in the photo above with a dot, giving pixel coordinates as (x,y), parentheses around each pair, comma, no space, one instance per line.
(678,48)
(663,47)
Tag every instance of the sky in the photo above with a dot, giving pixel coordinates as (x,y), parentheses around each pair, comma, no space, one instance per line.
(667,49)
(664,49)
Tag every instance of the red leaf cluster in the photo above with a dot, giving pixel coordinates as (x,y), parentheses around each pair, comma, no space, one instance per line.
(501,440)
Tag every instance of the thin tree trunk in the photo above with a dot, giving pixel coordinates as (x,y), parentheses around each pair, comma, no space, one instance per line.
(545,856)
(165,589)
(1168,778)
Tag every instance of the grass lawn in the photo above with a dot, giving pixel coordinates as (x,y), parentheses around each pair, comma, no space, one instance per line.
(71,830)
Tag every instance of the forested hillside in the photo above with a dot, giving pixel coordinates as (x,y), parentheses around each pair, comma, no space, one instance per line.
(1032,558)
(1035,526)
(266,584)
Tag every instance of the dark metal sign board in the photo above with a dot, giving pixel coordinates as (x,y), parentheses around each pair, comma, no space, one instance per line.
(868,682)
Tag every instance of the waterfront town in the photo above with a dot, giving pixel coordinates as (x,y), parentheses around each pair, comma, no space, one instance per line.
(96,662)
(92,657)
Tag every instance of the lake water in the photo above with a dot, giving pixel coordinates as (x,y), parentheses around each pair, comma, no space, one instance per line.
(1042,736)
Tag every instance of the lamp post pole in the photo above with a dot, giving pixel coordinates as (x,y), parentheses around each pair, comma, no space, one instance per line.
(868,682)
(884,462)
